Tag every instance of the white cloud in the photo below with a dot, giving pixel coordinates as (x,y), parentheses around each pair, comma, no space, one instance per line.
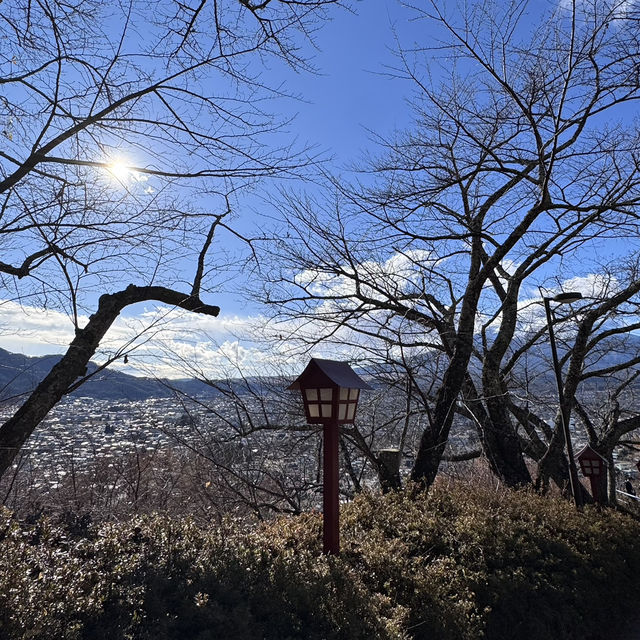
(32,330)
(157,340)
(619,9)
(173,343)
(399,275)
(163,342)
(593,285)
(531,314)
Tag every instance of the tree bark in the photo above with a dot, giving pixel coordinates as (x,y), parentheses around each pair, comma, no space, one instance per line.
(434,438)
(15,431)
(535,448)
(501,443)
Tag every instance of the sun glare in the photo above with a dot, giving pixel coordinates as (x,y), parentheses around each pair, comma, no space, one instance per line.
(119,170)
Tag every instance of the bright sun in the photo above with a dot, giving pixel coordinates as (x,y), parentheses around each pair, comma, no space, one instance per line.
(119,170)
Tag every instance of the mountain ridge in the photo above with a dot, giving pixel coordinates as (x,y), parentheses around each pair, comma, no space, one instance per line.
(20,374)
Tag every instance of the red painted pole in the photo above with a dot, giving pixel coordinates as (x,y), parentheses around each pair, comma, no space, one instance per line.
(595,487)
(330,499)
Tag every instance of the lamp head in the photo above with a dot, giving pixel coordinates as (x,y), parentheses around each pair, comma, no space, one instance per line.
(330,391)
(568,297)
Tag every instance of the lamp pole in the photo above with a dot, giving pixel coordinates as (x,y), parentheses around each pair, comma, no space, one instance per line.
(330,488)
(563,298)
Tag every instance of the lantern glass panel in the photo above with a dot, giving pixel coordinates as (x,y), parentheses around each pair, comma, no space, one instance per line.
(353,394)
(342,412)
(344,393)
(326,410)
(314,410)
(312,395)
(325,395)
(351,411)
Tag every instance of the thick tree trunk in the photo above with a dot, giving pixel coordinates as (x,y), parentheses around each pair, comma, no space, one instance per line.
(499,438)
(535,448)
(502,445)
(554,466)
(15,431)
(501,441)
(434,438)
(502,448)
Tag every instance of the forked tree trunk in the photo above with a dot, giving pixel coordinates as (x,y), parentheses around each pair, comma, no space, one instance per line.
(505,457)
(500,440)
(434,438)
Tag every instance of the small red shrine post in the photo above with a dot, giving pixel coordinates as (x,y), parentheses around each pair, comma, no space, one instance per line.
(593,466)
(330,392)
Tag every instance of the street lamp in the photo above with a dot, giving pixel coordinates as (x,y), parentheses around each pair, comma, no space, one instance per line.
(563,298)
(330,392)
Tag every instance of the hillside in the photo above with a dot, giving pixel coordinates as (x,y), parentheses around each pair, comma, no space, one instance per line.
(462,563)
(20,374)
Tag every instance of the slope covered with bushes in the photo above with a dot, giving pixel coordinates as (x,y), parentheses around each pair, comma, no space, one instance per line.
(460,563)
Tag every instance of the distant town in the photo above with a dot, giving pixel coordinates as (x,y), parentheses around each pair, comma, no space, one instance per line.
(83,430)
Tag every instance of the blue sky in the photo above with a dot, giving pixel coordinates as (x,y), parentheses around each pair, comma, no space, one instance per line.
(351,99)
(339,106)
(350,95)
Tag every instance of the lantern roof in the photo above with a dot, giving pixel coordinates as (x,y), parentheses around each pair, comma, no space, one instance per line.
(589,453)
(334,373)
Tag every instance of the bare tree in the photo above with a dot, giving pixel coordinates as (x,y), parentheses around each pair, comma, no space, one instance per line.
(264,456)
(600,360)
(127,129)
(521,160)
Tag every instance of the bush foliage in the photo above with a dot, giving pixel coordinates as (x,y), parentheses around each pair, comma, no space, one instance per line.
(458,563)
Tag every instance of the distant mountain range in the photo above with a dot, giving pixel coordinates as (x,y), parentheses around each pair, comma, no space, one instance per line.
(20,374)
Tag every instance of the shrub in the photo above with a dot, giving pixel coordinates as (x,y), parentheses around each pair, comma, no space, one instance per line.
(458,563)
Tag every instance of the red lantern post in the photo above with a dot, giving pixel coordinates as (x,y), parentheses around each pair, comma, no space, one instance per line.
(330,392)
(593,466)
